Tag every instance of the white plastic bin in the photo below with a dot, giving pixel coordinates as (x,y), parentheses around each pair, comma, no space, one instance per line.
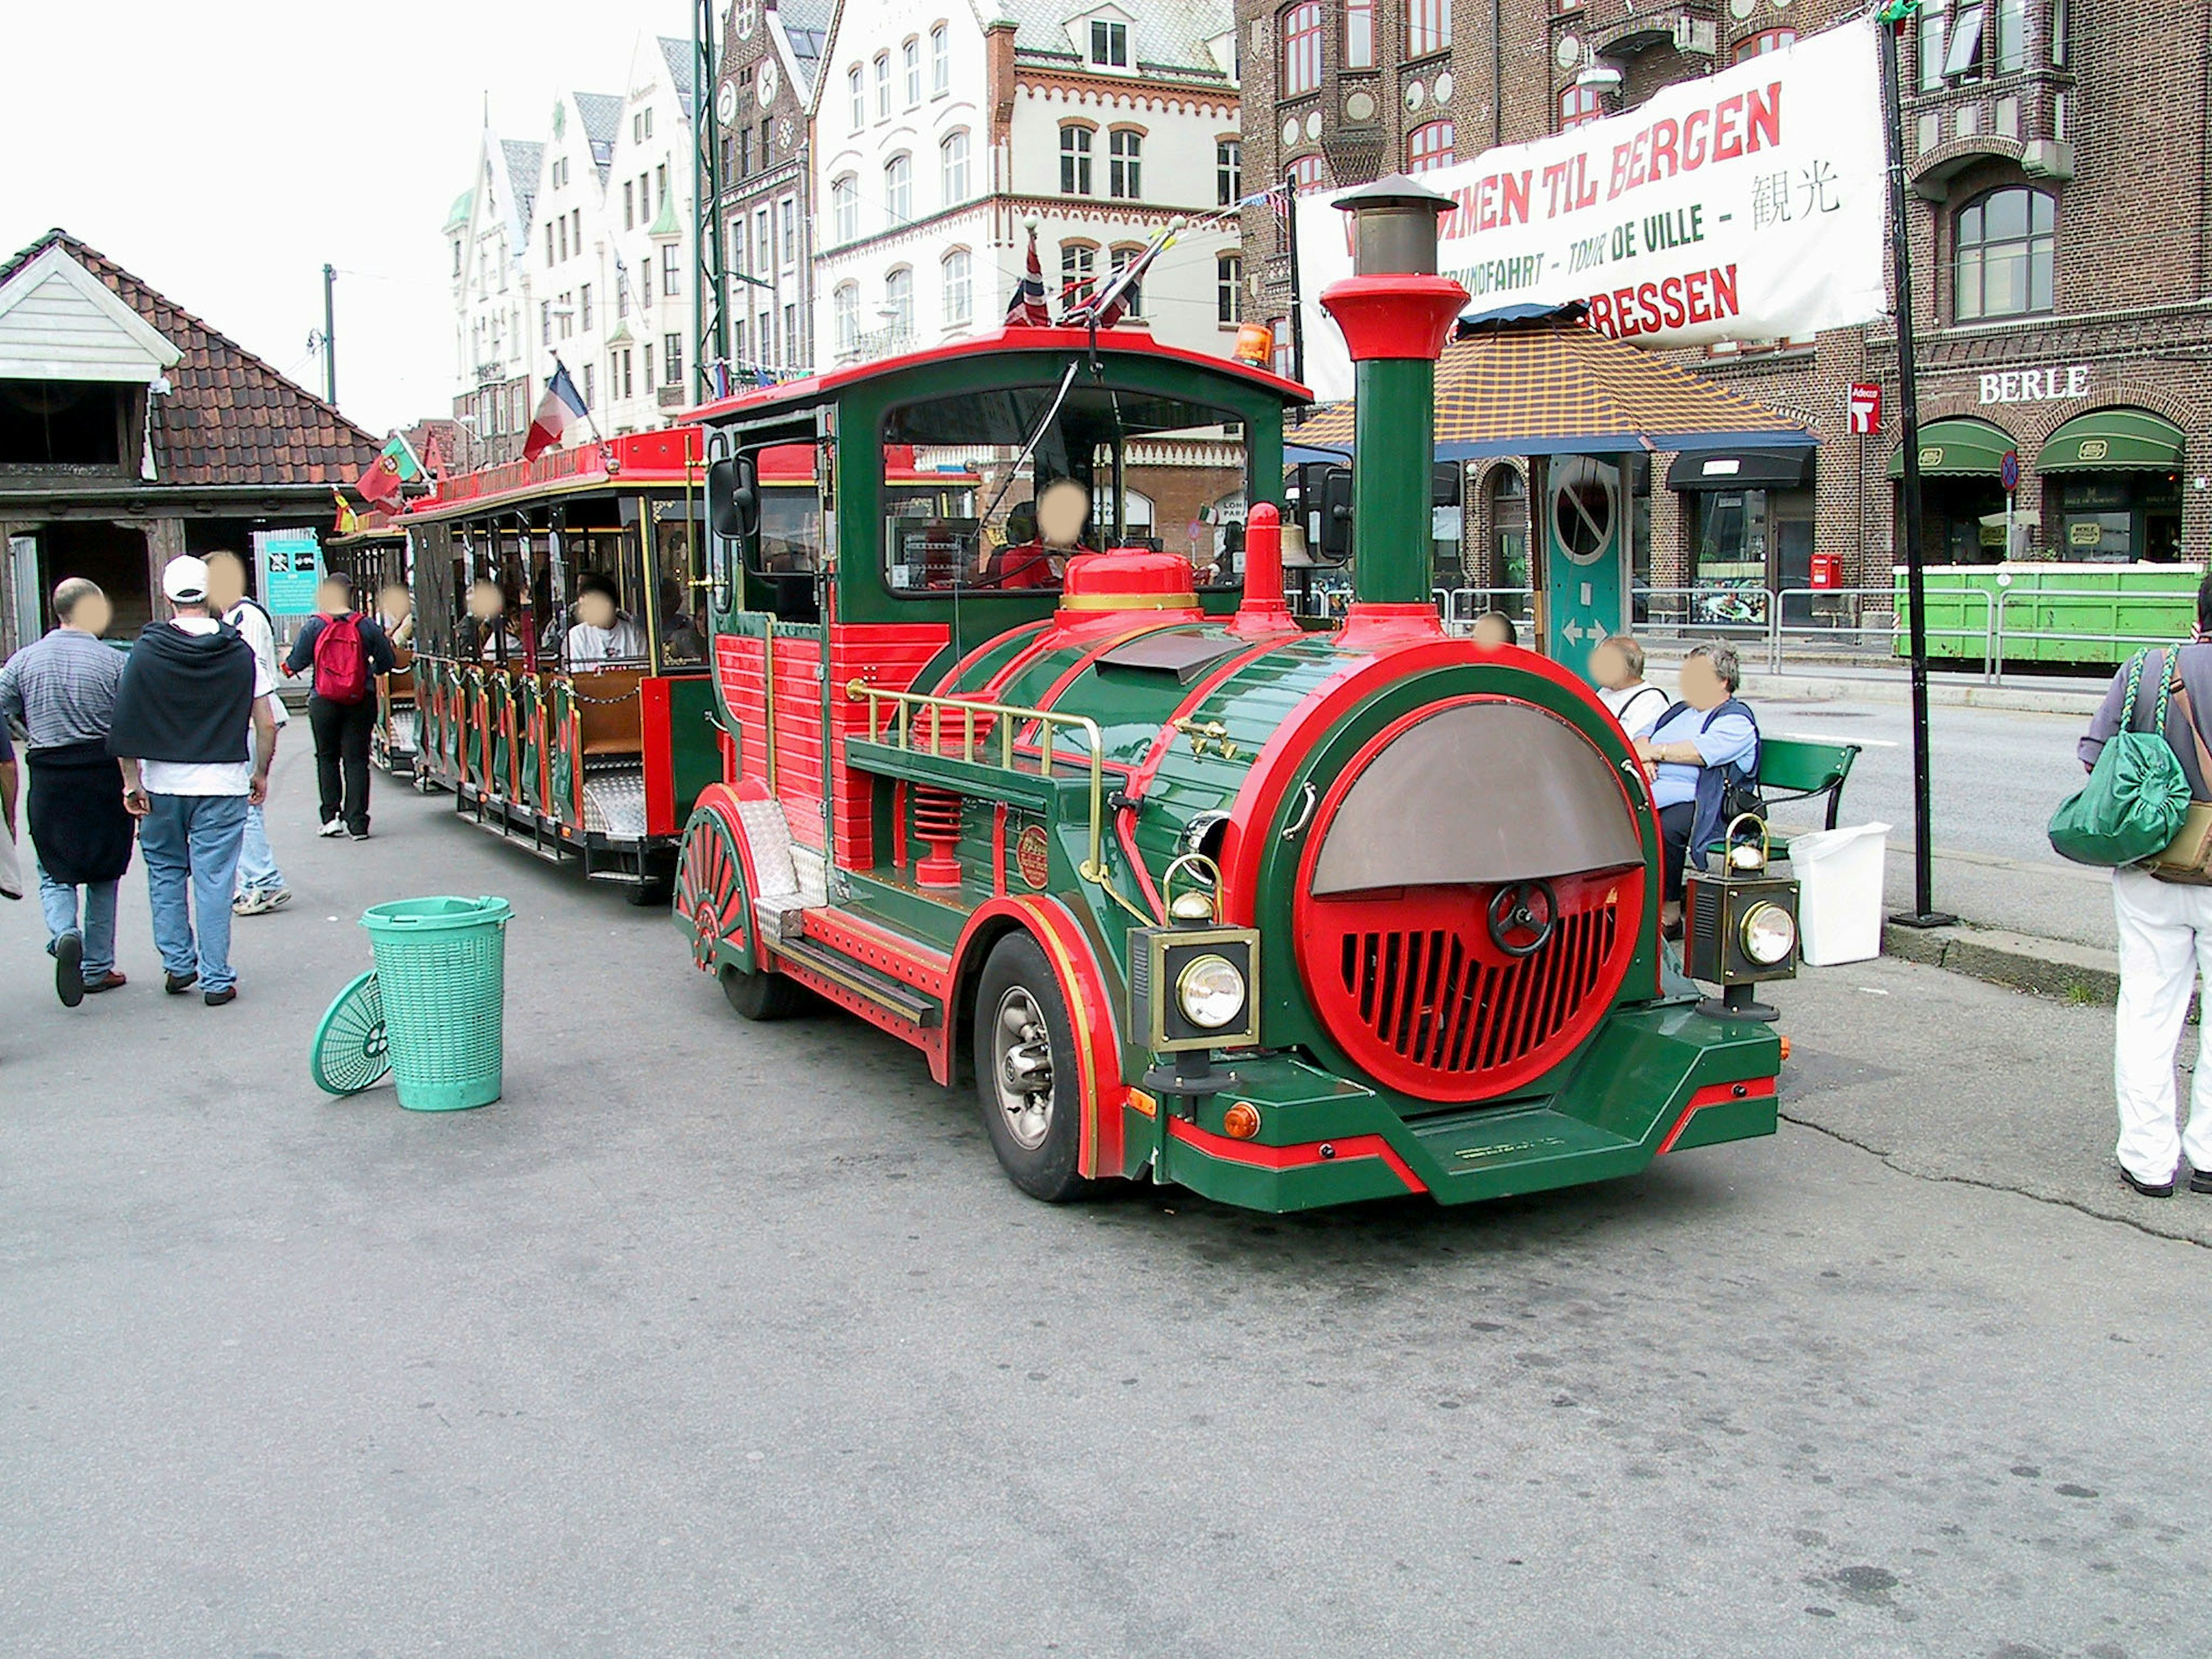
(1839,897)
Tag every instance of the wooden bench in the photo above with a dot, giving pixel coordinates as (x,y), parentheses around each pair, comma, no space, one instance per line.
(608,713)
(1791,770)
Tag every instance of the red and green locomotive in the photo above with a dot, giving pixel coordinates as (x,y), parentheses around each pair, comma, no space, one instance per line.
(1037,773)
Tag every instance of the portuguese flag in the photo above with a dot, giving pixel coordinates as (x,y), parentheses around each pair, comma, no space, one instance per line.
(395,464)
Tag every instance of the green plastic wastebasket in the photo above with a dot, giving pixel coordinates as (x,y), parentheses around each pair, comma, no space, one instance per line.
(441,969)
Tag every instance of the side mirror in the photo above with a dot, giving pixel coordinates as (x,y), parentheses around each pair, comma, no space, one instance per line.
(1330,523)
(734,497)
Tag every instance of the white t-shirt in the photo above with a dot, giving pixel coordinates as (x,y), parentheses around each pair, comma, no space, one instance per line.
(1638,707)
(588,647)
(253,627)
(208,777)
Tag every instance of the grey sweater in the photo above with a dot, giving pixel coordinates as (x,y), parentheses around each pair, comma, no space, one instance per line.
(2195,675)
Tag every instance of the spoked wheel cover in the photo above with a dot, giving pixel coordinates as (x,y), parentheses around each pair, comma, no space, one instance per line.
(1022,1069)
(352,1051)
(710,890)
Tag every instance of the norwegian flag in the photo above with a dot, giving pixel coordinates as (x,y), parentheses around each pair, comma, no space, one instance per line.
(1029,308)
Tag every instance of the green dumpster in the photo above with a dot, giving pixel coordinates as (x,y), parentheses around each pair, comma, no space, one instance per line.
(441,972)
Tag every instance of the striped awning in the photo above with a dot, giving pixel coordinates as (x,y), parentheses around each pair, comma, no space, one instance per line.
(1550,386)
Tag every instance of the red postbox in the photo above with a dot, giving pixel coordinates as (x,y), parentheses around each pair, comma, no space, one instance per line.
(1827,570)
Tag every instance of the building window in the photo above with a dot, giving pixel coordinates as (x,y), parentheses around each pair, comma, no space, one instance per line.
(910,71)
(2012,35)
(1765,41)
(953,170)
(563,223)
(649,366)
(645,290)
(1109,44)
(1079,272)
(1430,147)
(2006,255)
(672,359)
(590,398)
(1301,48)
(745,164)
(764,255)
(1228,171)
(671,270)
(858,98)
(1120,260)
(845,207)
(898,188)
(1125,164)
(644,197)
(545,322)
(1304,173)
(1075,161)
(629,203)
(564,313)
(940,62)
(883,85)
(1358,34)
(898,300)
(1428,26)
(584,296)
(1228,288)
(845,317)
(959,288)
(1578,104)
(1959,41)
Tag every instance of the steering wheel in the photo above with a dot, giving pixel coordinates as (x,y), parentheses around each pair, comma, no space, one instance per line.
(1524,916)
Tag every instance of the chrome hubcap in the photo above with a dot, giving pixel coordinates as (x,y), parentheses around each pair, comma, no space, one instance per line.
(1023,1069)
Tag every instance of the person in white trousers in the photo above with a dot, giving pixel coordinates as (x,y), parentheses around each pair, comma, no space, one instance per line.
(2165,941)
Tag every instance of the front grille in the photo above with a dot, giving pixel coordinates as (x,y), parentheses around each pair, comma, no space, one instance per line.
(1412,985)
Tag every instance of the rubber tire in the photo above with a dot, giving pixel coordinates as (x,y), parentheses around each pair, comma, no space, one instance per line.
(656,892)
(762,996)
(1050,1171)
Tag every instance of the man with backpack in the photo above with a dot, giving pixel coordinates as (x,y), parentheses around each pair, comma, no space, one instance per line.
(346,651)
(261,886)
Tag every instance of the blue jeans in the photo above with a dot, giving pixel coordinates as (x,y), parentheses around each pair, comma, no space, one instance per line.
(191,845)
(257,860)
(58,900)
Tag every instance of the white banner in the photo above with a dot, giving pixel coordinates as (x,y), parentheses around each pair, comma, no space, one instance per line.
(1746,206)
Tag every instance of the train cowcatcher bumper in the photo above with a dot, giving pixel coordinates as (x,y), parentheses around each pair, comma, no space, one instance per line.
(1652,1080)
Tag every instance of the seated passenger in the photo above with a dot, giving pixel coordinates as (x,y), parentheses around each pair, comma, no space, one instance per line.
(604,633)
(680,637)
(1700,750)
(1616,666)
(486,635)
(395,613)
(1023,560)
(1496,628)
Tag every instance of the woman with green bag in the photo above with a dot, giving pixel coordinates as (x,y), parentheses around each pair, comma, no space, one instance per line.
(2148,763)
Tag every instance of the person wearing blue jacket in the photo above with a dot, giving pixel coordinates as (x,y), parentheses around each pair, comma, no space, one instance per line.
(1701,747)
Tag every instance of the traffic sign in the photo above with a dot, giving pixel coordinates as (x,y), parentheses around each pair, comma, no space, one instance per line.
(2008,470)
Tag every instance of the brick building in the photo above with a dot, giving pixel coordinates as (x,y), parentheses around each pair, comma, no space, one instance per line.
(131,432)
(2062,257)
(770,52)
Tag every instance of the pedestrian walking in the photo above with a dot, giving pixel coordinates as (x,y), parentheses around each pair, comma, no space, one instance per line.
(346,650)
(2165,923)
(190,691)
(60,691)
(261,886)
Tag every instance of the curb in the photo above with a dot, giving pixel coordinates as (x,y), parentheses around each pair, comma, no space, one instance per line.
(2051,967)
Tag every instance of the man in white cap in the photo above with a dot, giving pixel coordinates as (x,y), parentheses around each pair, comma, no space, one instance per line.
(190,693)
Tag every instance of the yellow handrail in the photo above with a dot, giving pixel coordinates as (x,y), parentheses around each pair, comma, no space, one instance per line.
(903,706)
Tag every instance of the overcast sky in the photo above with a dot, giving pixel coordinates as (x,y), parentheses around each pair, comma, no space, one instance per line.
(225,151)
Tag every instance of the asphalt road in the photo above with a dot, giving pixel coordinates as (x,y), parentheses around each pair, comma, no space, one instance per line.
(716,1339)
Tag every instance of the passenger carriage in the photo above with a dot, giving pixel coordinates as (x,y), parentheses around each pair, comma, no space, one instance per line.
(1042,778)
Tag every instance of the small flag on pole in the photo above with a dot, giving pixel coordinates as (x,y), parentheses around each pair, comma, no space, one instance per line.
(394,466)
(348,521)
(1029,308)
(561,408)
(1112,302)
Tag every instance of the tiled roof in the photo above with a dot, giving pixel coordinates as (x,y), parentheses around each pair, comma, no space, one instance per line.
(1166,37)
(228,418)
(602,113)
(678,54)
(523,161)
(1551,386)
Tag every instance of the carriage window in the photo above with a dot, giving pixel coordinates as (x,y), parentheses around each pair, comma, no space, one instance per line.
(679,569)
(994,491)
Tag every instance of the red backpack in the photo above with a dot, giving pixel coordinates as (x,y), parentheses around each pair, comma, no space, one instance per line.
(341,660)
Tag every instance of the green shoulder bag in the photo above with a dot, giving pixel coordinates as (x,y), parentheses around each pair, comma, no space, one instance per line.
(2137,796)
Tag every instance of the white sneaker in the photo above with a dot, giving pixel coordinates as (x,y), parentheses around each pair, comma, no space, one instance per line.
(335,827)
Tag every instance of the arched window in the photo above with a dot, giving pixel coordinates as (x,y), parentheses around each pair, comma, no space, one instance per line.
(1428,26)
(898,188)
(1120,259)
(1304,173)
(1509,528)
(1124,163)
(844,208)
(1429,147)
(952,156)
(1358,34)
(2008,247)
(940,62)
(1075,159)
(898,300)
(958,272)
(845,313)
(1578,104)
(883,85)
(1228,171)
(910,70)
(1765,41)
(858,98)
(1079,272)
(1302,28)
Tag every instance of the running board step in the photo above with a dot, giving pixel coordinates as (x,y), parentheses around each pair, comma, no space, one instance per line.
(879,989)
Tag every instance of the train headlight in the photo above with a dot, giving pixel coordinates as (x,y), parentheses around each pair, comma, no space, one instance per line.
(1769,934)
(1210,991)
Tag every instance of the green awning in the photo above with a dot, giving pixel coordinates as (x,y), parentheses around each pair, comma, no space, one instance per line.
(2114,440)
(1957,448)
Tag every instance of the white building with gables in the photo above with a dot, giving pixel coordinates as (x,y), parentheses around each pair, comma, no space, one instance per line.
(941,126)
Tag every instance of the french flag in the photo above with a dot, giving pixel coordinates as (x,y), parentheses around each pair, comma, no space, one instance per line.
(561,408)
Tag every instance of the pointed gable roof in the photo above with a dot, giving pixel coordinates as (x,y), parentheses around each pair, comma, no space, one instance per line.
(228,418)
(602,112)
(524,160)
(59,322)
(678,54)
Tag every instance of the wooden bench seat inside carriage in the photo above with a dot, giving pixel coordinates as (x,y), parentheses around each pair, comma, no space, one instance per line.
(610,715)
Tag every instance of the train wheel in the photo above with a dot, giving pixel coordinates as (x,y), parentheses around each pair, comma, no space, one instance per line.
(1025,1072)
(762,996)
(710,896)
